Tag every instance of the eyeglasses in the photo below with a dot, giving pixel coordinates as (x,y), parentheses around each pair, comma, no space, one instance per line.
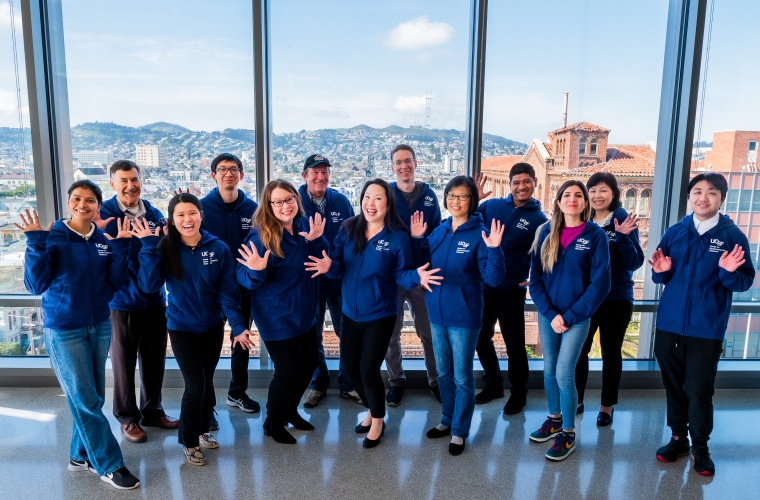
(460,197)
(408,161)
(290,200)
(225,171)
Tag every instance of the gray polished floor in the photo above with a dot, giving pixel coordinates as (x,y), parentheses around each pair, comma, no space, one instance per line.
(499,462)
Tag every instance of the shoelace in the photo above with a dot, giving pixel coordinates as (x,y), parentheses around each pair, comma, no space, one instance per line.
(548,425)
(701,452)
(561,441)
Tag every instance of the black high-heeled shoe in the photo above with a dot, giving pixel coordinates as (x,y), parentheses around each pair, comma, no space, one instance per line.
(276,429)
(605,419)
(362,429)
(371,443)
(299,422)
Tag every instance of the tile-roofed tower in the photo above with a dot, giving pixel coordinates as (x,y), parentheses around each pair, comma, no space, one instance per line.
(578,145)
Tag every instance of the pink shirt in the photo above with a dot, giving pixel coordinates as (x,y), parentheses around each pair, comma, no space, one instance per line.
(568,234)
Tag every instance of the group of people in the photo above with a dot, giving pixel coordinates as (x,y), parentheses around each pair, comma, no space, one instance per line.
(284,262)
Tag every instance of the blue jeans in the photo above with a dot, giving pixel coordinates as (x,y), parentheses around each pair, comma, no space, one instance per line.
(79,357)
(454,353)
(321,378)
(561,353)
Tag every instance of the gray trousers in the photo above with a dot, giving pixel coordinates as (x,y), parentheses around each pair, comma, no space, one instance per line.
(416,299)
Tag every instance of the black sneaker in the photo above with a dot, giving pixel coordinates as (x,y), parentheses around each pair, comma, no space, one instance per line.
(515,404)
(703,464)
(80,465)
(213,425)
(488,394)
(436,392)
(121,479)
(677,447)
(244,403)
(393,398)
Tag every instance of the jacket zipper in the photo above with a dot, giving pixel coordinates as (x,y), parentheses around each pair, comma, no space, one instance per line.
(446,266)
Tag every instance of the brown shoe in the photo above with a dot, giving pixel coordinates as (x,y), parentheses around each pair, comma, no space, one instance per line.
(134,433)
(162,422)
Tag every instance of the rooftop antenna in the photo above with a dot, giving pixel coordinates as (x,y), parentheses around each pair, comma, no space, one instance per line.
(564,112)
(428,100)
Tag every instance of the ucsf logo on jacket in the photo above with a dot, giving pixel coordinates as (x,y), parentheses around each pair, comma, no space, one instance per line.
(230,226)
(697,296)
(371,278)
(76,277)
(208,291)
(283,295)
(337,209)
(580,280)
(520,225)
(466,263)
(427,204)
(129,297)
(626,256)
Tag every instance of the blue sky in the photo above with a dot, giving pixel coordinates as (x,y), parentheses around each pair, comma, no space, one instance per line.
(339,63)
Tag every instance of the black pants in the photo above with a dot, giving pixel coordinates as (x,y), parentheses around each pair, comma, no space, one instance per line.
(688,366)
(508,308)
(239,357)
(197,355)
(138,336)
(294,362)
(362,348)
(612,319)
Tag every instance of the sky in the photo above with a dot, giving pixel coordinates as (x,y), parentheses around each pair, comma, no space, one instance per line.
(340,63)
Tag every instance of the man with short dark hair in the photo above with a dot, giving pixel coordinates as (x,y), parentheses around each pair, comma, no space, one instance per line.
(138,319)
(227,214)
(411,196)
(520,214)
(318,197)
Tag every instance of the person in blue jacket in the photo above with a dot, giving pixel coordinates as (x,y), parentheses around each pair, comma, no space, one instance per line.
(520,214)
(138,319)
(227,214)
(614,314)
(77,268)
(284,299)
(319,198)
(702,261)
(373,255)
(199,274)
(468,258)
(569,279)
(411,196)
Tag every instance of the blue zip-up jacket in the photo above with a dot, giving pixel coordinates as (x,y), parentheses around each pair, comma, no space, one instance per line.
(427,204)
(372,277)
(76,277)
(337,209)
(580,280)
(284,296)
(130,297)
(208,292)
(696,301)
(230,226)
(466,263)
(520,225)
(626,256)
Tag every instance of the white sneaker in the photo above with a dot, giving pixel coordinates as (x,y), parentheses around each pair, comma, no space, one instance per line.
(208,441)
(194,456)
(312,399)
(80,465)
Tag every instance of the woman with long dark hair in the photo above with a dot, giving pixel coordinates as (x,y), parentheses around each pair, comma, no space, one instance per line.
(284,299)
(77,268)
(200,277)
(569,278)
(373,255)
(614,314)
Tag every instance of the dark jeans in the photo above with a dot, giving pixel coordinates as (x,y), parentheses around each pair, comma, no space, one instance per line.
(138,337)
(688,366)
(321,378)
(294,362)
(612,320)
(197,355)
(508,308)
(239,357)
(363,347)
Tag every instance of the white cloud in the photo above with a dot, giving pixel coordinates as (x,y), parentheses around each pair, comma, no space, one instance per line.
(418,34)
(410,105)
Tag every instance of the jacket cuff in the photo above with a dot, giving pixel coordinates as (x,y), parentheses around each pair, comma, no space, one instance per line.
(36,237)
(150,242)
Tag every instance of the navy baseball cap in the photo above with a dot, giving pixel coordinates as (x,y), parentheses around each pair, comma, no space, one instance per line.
(314,160)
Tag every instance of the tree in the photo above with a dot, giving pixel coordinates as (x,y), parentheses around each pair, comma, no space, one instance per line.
(11,349)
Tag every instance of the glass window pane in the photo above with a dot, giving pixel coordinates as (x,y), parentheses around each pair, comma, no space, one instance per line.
(21,332)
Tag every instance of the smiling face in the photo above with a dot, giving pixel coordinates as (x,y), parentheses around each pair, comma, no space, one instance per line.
(227,175)
(375,204)
(187,219)
(455,206)
(572,202)
(403,165)
(601,196)
(522,187)
(704,200)
(127,185)
(83,205)
(317,179)
(289,209)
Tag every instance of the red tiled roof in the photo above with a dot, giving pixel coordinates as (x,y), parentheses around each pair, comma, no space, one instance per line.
(499,163)
(623,160)
(584,126)
(548,146)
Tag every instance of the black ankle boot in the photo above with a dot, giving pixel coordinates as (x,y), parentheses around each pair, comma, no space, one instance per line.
(299,423)
(276,429)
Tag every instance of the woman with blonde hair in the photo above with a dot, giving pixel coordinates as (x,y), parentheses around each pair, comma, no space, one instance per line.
(284,299)
(569,279)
